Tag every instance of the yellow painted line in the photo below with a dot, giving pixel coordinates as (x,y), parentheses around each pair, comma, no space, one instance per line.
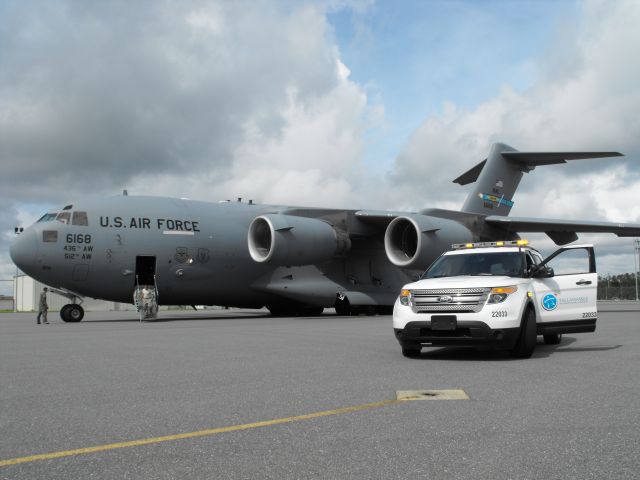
(201,433)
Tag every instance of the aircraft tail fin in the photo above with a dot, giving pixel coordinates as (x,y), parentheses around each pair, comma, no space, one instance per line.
(498,176)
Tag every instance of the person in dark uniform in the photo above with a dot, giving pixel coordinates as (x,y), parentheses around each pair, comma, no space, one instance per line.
(43,307)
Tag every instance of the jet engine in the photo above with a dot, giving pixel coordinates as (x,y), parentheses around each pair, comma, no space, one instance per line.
(292,241)
(414,241)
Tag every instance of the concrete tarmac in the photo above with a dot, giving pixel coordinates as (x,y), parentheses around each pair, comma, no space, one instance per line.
(572,411)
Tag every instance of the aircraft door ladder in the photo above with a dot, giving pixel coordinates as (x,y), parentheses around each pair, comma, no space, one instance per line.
(145,295)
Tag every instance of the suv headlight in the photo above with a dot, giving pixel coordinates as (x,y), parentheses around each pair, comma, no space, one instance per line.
(500,294)
(405,298)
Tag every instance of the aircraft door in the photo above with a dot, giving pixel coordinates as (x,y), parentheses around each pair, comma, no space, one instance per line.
(145,294)
(568,292)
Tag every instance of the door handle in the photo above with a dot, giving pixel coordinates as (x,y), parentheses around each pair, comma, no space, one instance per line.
(584,282)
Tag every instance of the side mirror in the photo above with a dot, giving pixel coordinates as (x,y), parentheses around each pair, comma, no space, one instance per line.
(543,272)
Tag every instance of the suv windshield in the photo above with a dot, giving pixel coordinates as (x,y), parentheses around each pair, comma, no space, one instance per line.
(477,263)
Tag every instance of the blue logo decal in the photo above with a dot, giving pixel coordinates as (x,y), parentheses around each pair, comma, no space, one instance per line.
(549,302)
(496,200)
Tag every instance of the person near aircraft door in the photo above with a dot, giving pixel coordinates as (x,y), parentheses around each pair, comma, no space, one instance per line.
(148,300)
(43,307)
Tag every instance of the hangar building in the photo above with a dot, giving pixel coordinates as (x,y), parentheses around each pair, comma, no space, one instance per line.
(26,292)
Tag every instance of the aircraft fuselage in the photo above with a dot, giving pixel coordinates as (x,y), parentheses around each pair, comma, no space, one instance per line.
(199,254)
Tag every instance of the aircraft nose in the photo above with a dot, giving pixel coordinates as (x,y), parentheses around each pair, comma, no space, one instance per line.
(23,250)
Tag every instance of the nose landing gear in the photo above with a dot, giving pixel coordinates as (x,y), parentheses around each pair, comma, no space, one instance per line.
(72,312)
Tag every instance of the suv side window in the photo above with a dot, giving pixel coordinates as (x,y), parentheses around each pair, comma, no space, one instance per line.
(571,262)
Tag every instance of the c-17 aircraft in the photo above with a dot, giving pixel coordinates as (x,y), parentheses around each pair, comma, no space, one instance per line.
(293,260)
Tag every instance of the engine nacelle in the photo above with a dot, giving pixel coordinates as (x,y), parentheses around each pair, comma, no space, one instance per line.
(414,241)
(293,241)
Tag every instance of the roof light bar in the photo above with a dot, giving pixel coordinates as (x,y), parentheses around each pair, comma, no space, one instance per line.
(502,243)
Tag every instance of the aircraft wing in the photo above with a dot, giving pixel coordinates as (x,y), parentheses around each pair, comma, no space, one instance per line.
(378,218)
(562,231)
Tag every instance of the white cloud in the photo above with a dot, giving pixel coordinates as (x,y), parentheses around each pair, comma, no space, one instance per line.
(169,87)
(311,160)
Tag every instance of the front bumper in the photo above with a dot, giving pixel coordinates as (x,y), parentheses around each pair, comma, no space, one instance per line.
(467,332)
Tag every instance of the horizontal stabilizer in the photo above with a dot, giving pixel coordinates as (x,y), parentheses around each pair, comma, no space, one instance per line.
(534,159)
(560,230)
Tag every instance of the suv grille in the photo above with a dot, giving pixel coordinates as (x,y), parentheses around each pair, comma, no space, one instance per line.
(457,300)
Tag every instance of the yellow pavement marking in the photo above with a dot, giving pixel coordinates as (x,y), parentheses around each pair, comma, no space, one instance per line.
(201,433)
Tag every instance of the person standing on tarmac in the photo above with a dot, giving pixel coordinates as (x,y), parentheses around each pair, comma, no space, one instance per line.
(43,307)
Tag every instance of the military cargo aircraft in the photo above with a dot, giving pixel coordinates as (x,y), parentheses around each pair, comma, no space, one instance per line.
(293,260)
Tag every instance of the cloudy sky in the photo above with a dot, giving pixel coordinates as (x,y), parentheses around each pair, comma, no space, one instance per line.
(355,104)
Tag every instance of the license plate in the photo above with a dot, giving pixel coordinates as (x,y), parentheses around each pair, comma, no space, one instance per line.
(444,322)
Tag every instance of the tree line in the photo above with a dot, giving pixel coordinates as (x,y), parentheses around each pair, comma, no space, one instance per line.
(617,287)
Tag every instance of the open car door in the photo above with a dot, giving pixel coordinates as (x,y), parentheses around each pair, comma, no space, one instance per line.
(565,288)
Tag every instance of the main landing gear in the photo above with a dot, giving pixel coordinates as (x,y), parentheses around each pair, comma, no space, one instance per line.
(344,308)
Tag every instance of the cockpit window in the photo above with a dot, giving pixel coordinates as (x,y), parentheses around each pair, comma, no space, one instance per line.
(64,217)
(80,218)
(47,217)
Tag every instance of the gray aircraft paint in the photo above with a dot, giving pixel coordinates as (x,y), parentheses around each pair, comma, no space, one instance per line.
(202,250)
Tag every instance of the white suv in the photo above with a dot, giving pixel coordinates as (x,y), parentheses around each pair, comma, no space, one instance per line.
(498,295)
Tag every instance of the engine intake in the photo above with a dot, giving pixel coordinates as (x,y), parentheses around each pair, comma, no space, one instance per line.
(415,241)
(289,240)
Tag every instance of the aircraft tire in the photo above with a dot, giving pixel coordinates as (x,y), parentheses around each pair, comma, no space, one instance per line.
(527,339)
(343,310)
(72,313)
(343,306)
(64,313)
(552,338)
